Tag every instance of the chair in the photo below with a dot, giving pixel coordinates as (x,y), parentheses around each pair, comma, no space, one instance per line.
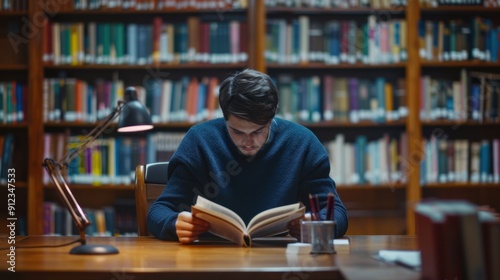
(150,180)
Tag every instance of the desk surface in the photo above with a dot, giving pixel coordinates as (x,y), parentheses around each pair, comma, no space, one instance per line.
(148,258)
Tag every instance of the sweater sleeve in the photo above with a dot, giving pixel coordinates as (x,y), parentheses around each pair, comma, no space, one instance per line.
(319,182)
(316,180)
(177,196)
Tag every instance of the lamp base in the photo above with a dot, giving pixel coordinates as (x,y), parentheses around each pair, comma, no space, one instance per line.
(93,249)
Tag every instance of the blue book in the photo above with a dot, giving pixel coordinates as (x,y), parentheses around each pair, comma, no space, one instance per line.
(380,94)
(132,43)
(20,102)
(314,90)
(353,100)
(183,98)
(475,101)
(7,154)
(295,41)
(142,37)
(485,161)
(151,148)
(118,158)
(334,39)
(494,44)
(109,219)
(303,109)
(423,170)
(360,146)
(397,39)
(181,41)
(201,110)
(106,42)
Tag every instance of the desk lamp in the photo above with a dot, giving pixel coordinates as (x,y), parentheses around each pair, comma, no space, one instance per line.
(133,118)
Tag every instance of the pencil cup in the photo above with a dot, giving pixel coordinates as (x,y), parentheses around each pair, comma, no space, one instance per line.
(320,234)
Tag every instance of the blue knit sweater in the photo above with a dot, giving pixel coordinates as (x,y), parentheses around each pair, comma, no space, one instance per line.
(289,167)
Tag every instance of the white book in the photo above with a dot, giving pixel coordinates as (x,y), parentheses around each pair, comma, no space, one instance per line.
(227,224)
(166,99)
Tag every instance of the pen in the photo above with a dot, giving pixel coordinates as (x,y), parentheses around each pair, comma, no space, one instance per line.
(330,202)
(314,211)
(316,202)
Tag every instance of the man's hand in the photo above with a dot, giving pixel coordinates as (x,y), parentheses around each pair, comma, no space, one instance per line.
(189,227)
(294,225)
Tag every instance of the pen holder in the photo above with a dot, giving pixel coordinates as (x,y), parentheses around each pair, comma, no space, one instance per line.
(320,234)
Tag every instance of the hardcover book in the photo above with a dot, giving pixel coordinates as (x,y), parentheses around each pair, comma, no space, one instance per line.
(227,224)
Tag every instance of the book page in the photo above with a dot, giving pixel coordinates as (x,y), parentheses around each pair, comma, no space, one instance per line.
(220,211)
(275,224)
(264,215)
(219,226)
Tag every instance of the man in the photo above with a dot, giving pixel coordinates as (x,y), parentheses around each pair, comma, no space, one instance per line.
(247,161)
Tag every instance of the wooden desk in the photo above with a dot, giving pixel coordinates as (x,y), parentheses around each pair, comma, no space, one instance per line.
(149,258)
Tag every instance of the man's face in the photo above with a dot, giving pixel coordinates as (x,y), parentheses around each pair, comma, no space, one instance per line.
(247,136)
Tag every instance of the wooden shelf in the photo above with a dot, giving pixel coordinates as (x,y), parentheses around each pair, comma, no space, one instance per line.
(13,125)
(272,66)
(12,14)
(462,185)
(361,124)
(102,187)
(134,12)
(458,9)
(465,64)
(143,67)
(347,11)
(385,187)
(458,123)
(13,67)
(185,125)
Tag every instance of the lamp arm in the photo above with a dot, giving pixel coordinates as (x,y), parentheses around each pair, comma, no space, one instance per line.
(92,135)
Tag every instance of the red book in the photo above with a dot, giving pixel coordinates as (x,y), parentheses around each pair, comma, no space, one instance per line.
(47,43)
(491,247)
(440,238)
(157,23)
(430,233)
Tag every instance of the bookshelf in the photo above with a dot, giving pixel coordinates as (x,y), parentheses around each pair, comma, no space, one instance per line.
(14,130)
(375,208)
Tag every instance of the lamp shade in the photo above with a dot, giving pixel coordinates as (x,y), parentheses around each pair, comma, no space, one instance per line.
(134,116)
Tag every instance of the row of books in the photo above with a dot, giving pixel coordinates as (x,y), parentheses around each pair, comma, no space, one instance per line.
(186,99)
(116,220)
(70,5)
(107,161)
(446,160)
(470,98)
(305,39)
(374,4)
(460,39)
(437,3)
(457,240)
(196,40)
(444,99)
(13,102)
(362,161)
(13,5)
(313,99)
(7,142)
(110,160)
(76,100)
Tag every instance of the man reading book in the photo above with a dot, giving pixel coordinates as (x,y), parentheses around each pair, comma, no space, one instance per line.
(248,161)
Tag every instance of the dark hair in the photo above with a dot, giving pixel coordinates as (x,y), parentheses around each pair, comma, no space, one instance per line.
(250,95)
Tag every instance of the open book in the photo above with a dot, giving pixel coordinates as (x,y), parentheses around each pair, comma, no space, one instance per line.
(227,224)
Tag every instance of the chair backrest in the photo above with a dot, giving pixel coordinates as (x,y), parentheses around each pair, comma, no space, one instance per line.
(150,180)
